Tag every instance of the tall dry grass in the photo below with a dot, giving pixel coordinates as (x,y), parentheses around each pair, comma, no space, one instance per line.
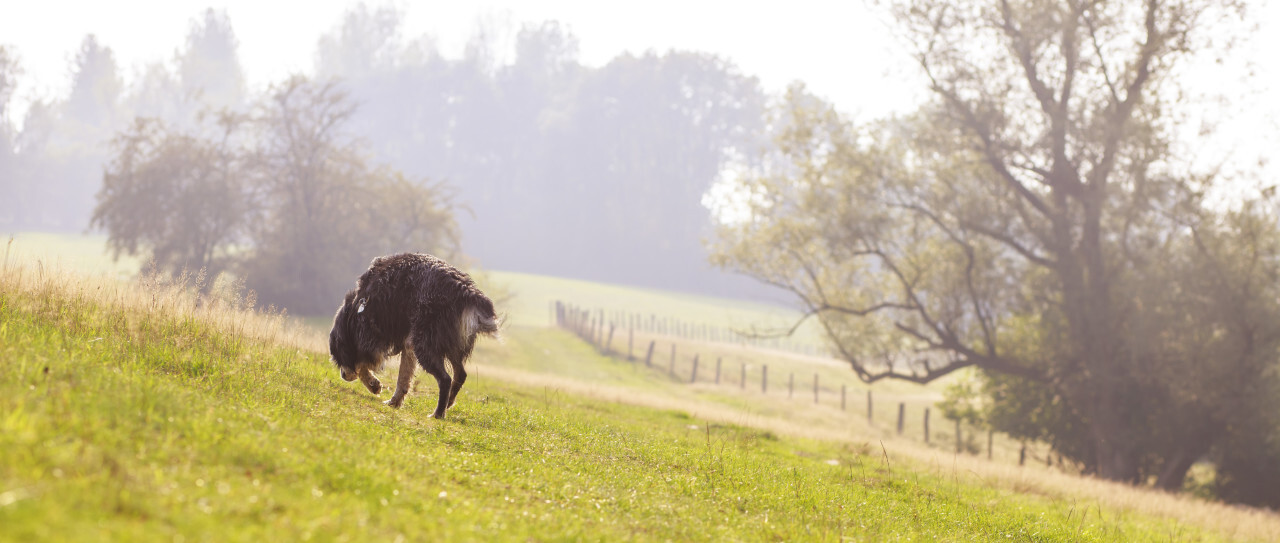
(224,306)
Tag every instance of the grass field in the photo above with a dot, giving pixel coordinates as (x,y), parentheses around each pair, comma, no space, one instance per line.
(526,302)
(140,416)
(84,254)
(532,294)
(133,415)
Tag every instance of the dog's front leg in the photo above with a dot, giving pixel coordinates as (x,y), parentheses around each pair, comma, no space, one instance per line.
(370,382)
(408,363)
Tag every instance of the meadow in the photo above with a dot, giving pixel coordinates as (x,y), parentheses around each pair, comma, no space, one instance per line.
(129,412)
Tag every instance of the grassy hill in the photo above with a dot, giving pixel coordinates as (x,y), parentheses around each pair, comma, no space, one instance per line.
(132,414)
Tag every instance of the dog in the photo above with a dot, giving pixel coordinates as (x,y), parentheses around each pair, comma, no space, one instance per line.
(417,306)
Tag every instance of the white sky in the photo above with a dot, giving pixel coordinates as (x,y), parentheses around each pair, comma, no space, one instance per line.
(840,49)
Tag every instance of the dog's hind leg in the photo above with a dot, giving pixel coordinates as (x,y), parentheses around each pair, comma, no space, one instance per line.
(456,361)
(404,379)
(459,377)
(434,365)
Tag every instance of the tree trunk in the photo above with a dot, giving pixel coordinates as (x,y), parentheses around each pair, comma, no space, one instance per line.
(1173,472)
(1117,461)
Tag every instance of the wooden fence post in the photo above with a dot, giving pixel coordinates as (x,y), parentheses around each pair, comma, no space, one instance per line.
(608,345)
(648,358)
(693,377)
(742,383)
(958,436)
(902,415)
(1022,455)
(926,426)
(631,340)
(815,388)
(717,370)
(870,421)
(991,434)
(764,379)
(842,396)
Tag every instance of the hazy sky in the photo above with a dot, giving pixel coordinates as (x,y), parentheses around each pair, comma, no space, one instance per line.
(840,49)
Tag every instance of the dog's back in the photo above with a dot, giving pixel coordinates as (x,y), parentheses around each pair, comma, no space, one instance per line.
(426,293)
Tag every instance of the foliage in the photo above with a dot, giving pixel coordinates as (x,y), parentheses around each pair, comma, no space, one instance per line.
(9,72)
(61,150)
(281,197)
(609,161)
(209,65)
(1034,222)
(179,199)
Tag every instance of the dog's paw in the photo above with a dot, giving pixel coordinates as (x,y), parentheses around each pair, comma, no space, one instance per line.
(375,387)
(394,402)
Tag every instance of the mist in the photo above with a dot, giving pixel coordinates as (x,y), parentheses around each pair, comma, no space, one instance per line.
(552,166)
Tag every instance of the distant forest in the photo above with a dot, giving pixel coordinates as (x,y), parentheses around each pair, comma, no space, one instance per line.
(553,167)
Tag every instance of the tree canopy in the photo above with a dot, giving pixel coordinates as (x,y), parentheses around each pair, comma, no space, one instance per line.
(282,197)
(1035,222)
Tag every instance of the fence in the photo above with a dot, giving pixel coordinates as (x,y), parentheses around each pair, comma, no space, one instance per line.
(598,320)
(594,327)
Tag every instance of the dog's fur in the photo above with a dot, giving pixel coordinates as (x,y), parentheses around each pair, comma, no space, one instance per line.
(419,307)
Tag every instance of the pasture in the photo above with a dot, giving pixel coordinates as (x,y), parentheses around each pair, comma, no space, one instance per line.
(127,412)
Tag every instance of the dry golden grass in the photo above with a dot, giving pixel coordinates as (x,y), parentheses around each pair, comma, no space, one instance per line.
(225,306)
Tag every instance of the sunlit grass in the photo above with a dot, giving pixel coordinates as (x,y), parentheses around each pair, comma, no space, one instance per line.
(129,412)
(213,360)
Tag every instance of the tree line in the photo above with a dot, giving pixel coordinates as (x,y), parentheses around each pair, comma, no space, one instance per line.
(611,162)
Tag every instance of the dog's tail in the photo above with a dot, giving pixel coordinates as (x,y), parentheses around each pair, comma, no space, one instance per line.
(478,317)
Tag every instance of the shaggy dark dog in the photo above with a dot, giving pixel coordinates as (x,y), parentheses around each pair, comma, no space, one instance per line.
(419,307)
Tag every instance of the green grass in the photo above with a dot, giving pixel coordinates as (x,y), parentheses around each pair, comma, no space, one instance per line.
(118,426)
(532,296)
(526,300)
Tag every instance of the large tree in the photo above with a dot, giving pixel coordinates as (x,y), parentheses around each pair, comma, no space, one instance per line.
(1032,221)
(180,199)
(281,196)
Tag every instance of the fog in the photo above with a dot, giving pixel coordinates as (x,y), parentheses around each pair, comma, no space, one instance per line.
(586,161)
(569,141)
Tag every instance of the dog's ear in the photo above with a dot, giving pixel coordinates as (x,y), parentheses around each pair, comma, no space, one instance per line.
(363,302)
